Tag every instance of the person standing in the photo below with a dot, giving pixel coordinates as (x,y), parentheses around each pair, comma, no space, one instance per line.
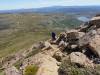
(53,36)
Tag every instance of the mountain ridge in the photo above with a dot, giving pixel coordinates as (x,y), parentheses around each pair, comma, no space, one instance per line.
(56,9)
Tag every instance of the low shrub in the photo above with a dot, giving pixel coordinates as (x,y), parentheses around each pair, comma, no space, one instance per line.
(2,72)
(68,68)
(31,70)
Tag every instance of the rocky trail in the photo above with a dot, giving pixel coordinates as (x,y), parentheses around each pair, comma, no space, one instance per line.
(44,59)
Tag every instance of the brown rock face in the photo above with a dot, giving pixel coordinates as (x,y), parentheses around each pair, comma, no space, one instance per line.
(94,45)
(85,39)
(73,37)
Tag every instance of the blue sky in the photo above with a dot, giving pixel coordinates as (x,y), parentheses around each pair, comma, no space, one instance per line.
(18,4)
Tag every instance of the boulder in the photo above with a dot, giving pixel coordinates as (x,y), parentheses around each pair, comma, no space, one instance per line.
(58,55)
(74,34)
(72,37)
(94,45)
(83,41)
(80,59)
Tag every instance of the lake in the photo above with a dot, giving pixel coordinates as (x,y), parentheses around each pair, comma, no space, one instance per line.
(83,18)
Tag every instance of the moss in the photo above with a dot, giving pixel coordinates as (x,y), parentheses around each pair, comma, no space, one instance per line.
(31,70)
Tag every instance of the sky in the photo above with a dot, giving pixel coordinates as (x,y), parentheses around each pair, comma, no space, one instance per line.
(19,4)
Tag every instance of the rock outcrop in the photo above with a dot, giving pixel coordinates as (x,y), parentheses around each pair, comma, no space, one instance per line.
(80,59)
(86,38)
(94,45)
(76,44)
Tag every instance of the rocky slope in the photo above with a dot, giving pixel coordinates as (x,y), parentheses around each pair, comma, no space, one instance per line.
(74,52)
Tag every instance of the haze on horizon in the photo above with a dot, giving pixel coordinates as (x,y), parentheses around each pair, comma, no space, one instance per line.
(19,4)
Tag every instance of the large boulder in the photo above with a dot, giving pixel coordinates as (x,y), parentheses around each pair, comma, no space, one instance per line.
(80,59)
(94,45)
(72,37)
(86,38)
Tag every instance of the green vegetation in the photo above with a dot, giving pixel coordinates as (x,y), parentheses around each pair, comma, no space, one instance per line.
(20,31)
(8,58)
(18,63)
(31,70)
(34,51)
(2,72)
(68,68)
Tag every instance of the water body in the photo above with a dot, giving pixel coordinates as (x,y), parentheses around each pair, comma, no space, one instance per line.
(83,19)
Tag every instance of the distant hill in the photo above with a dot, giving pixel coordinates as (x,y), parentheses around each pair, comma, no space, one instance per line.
(58,9)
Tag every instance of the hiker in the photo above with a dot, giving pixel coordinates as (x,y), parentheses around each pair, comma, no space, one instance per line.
(53,36)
